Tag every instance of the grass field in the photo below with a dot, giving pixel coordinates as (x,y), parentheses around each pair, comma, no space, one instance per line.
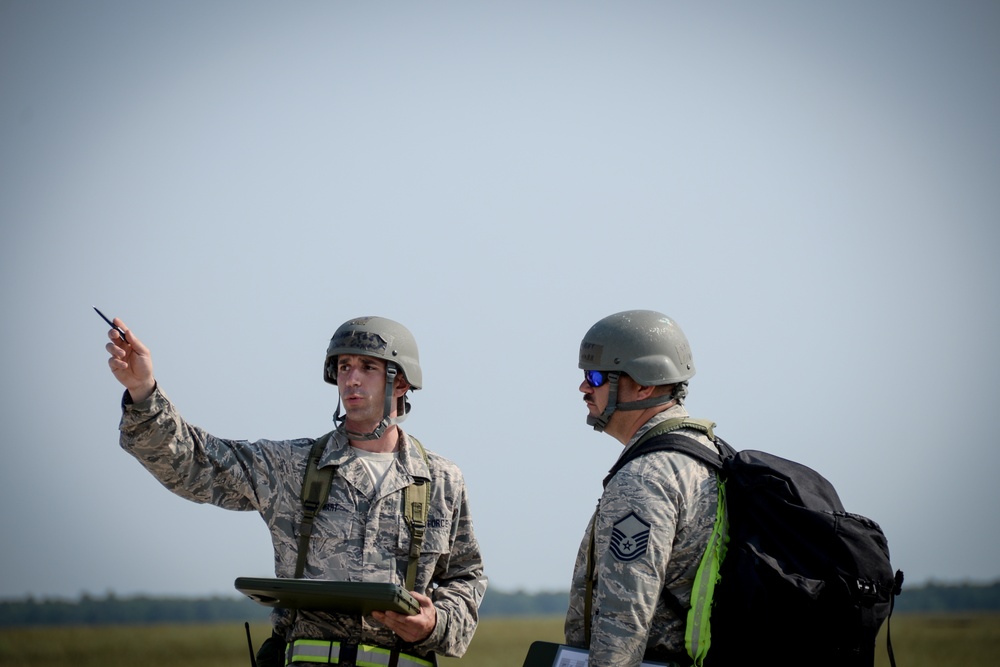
(918,640)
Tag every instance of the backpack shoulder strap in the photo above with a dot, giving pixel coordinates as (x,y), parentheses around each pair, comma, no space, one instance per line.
(415,503)
(706,426)
(663,437)
(315,489)
(659,438)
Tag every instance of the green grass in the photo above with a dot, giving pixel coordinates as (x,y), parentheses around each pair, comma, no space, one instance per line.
(503,642)
(166,645)
(919,640)
(925,640)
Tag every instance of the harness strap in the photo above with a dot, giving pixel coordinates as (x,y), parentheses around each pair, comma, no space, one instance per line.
(416,500)
(317,651)
(315,489)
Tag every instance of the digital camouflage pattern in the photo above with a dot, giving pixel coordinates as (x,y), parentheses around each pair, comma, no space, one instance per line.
(652,525)
(357,536)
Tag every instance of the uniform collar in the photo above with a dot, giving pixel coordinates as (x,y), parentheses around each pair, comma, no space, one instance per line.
(338,452)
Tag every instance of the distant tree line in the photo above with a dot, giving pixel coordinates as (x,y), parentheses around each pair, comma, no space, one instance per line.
(934,597)
(131,610)
(111,609)
(499,603)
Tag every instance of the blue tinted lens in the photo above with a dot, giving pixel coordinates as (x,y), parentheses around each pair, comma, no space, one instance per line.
(595,378)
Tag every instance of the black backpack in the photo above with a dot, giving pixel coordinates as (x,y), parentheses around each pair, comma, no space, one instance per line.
(803,581)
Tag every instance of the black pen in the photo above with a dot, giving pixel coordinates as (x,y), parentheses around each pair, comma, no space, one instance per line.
(118,329)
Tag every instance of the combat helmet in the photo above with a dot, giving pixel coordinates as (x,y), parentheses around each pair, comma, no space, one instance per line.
(645,344)
(383,339)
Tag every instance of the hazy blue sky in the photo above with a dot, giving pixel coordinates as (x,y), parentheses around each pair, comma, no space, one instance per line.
(812,192)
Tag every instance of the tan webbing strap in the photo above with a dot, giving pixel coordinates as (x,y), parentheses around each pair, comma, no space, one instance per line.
(703,425)
(416,498)
(315,489)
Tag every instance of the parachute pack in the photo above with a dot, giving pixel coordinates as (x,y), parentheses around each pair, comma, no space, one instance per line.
(793,579)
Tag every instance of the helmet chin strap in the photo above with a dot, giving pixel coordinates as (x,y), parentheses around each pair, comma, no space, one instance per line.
(646,403)
(600,422)
(387,420)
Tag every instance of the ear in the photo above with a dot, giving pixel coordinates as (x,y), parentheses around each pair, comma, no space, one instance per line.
(643,392)
(400,386)
(635,391)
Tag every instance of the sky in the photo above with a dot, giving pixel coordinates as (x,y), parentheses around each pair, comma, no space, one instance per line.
(810,190)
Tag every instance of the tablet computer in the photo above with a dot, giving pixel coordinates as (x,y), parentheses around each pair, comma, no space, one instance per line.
(551,654)
(345,597)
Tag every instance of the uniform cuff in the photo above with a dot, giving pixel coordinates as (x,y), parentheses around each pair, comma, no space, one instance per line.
(127,398)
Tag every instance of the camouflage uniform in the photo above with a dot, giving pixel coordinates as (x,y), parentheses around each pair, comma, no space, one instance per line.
(357,536)
(670,500)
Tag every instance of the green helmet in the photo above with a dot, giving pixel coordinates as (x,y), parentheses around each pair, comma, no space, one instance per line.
(645,344)
(383,339)
(375,337)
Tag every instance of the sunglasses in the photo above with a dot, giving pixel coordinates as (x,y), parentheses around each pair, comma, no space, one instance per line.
(596,378)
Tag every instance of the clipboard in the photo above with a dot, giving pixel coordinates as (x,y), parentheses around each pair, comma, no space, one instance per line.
(344,597)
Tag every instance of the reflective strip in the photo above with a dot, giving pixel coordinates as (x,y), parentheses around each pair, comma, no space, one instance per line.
(698,634)
(313,650)
(327,652)
(372,656)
